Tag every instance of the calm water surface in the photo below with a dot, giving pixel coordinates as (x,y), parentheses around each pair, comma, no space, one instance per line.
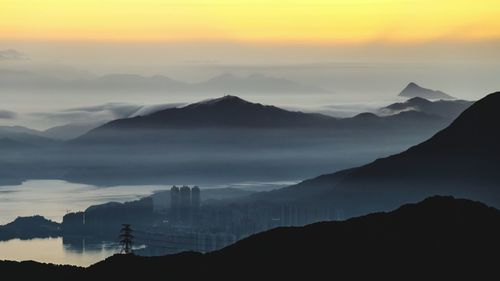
(54,198)
(53,250)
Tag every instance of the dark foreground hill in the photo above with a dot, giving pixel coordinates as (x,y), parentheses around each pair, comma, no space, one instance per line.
(440,237)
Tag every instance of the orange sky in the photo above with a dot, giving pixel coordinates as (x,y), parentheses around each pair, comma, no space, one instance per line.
(316,21)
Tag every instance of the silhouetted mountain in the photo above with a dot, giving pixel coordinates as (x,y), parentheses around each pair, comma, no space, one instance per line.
(232,140)
(29,227)
(462,160)
(228,111)
(441,237)
(237,141)
(234,112)
(444,108)
(413,90)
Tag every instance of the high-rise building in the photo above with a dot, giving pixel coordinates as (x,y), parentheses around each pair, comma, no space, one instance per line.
(174,203)
(185,204)
(195,197)
(195,204)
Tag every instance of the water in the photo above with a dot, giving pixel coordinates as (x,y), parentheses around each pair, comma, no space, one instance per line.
(53,250)
(54,198)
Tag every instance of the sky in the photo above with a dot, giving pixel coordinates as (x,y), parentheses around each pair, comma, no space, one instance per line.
(311,21)
(362,52)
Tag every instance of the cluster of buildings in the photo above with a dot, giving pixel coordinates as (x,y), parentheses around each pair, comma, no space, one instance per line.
(183,223)
(185,205)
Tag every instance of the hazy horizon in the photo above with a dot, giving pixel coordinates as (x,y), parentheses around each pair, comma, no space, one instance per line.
(355,79)
(361,52)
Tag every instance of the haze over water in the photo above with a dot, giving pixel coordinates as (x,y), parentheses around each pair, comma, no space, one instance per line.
(54,198)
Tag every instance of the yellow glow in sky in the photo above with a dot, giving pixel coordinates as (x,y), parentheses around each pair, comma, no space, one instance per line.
(322,21)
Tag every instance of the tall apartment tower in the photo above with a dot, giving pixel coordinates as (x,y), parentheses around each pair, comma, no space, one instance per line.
(185,204)
(174,203)
(195,204)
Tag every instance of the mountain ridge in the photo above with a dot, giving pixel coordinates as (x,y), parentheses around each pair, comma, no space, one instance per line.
(233,112)
(255,83)
(444,108)
(461,159)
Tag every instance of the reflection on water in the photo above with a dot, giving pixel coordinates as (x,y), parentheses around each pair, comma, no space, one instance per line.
(76,251)
(54,198)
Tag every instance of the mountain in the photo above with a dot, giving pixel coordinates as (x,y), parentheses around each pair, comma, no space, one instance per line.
(413,90)
(225,112)
(29,228)
(462,159)
(234,112)
(450,109)
(217,141)
(17,130)
(441,237)
(230,140)
(255,83)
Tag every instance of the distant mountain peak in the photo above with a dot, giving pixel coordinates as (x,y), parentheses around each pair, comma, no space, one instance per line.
(228,111)
(413,85)
(229,98)
(412,90)
(226,100)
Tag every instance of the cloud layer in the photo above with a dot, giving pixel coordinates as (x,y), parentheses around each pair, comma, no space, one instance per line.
(101,113)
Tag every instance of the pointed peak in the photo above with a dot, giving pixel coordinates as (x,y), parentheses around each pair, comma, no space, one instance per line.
(414,90)
(413,85)
(229,98)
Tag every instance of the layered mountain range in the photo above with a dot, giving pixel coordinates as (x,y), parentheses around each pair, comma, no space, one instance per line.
(462,159)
